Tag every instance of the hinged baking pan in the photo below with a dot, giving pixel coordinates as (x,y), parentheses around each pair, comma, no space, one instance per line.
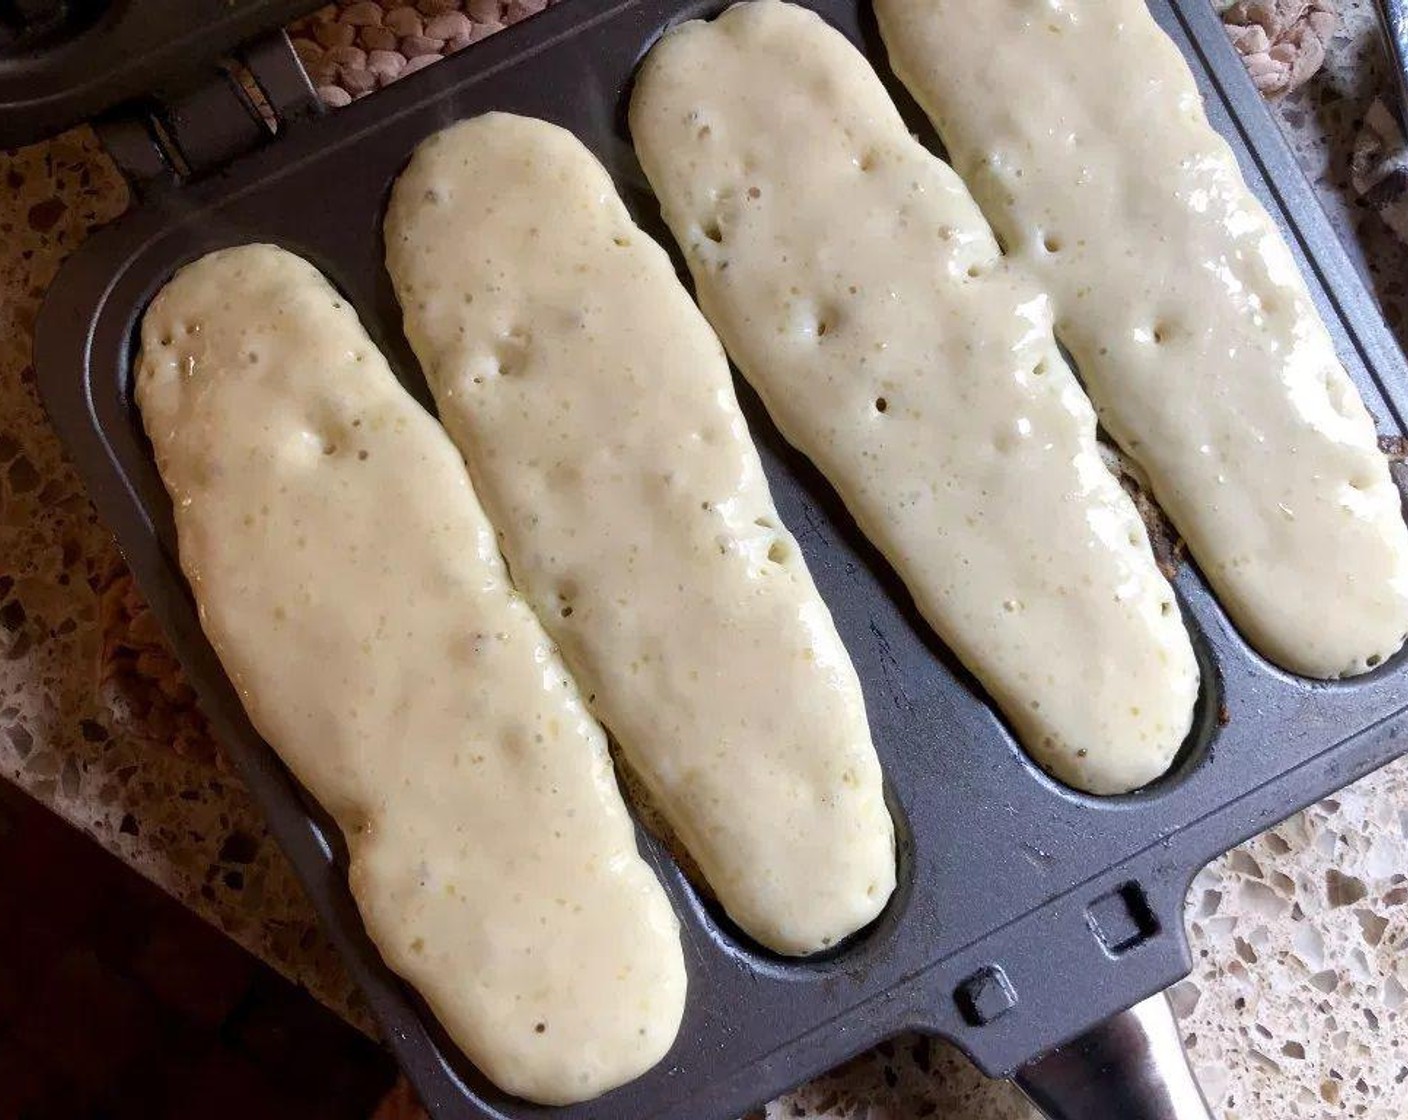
(1027,913)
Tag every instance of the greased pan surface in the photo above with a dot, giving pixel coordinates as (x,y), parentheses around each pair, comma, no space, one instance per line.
(1026,912)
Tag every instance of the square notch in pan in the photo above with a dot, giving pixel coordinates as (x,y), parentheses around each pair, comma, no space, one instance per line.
(1122,920)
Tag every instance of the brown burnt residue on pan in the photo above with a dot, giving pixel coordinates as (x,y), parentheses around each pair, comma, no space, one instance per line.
(1168,546)
(1396,448)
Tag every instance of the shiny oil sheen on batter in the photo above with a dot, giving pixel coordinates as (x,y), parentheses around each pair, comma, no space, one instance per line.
(352,588)
(1078,127)
(862,294)
(597,414)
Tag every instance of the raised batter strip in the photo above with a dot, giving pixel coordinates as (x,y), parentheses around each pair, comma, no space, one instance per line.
(860,291)
(597,414)
(1080,131)
(351,586)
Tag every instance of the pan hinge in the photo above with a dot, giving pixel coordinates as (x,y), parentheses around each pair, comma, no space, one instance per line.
(198,125)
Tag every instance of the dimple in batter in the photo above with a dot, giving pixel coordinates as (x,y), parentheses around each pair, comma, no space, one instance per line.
(352,588)
(860,291)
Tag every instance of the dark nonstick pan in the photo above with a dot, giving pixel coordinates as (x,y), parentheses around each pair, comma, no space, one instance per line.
(1027,914)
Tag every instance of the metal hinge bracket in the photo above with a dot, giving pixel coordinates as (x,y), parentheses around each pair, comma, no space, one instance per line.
(195,127)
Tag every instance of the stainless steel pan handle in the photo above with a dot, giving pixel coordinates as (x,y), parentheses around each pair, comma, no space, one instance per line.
(1131,1067)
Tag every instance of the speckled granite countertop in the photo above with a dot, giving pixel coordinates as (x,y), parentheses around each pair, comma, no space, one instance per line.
(1297,1003)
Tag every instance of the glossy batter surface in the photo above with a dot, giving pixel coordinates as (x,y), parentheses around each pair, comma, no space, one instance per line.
(1078,127)
(597,414)
(351,586)
(861,292)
